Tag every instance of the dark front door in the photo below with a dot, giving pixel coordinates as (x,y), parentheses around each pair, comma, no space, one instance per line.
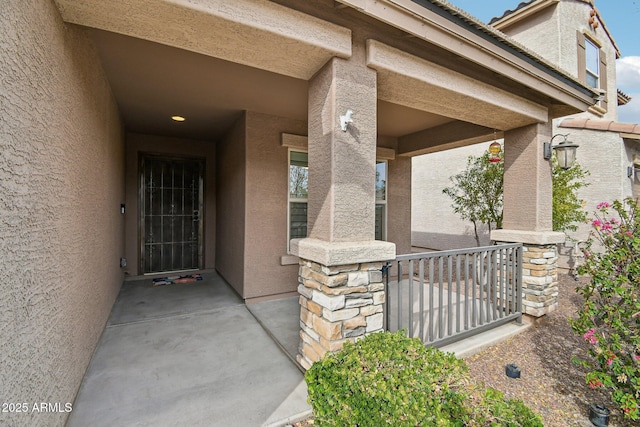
(171,204)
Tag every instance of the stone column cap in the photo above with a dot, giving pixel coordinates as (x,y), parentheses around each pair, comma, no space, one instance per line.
(528,237)
(343,253)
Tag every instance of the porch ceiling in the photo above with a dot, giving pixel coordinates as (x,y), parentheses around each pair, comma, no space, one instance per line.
(152,82)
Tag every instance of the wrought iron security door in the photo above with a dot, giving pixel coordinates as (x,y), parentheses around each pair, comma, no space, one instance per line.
(171,201)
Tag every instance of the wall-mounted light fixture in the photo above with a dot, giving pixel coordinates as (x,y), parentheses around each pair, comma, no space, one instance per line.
(629,171)
(346,119)
(565,151)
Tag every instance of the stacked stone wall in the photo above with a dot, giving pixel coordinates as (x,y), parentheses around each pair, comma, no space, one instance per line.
(337,304)
(539,279)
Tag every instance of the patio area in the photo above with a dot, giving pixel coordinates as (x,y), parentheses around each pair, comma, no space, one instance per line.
(192,354)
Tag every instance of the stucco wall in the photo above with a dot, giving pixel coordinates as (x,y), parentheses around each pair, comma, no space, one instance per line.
(605,156)
(552,34)
(434,223)
(266,206)
(61,185)
(230,206)
(398,198)
(151,144)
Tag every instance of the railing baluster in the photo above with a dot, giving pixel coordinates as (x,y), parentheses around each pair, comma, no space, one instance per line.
(399,295)
(501,283)
(494,283)
(474,284)
(458,306)
(466,291)
(519,284)
(431,267)
(410,302)
(421,273)
(449,295)
(440,297)
(481,302)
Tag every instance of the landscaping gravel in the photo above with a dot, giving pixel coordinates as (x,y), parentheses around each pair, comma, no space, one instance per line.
(550,383)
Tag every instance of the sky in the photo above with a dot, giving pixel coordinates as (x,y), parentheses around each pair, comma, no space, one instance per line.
(622,18)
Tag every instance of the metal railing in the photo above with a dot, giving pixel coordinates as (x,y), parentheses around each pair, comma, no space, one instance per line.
(445,296)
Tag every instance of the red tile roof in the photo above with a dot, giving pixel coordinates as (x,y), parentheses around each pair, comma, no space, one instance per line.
(599,124)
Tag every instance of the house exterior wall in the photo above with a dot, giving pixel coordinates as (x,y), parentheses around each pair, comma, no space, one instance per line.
(266,201)
(551,33)
(138,144)
(434,224)
(399,204)
(231,205)
(61,186)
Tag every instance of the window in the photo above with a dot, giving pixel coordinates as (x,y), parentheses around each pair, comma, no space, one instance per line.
(298,194)
(381,200)
(592,67)
(592,55)
(299,191)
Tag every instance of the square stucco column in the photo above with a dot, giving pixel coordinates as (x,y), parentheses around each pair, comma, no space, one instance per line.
(340,279)
(528,215)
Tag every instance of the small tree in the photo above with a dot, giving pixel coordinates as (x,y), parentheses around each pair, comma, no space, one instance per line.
(477,192)
(567,207)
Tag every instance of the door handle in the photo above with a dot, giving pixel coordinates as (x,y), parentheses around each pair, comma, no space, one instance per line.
(196,215)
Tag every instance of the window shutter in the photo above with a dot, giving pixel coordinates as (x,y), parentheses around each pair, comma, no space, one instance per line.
(582,58)
(603,78)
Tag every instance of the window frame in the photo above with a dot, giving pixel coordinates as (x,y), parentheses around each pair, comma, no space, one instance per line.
(383,202)
(596,59)
(294,199)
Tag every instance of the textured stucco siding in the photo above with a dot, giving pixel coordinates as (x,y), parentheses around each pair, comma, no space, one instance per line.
(398,198)
(434,224)
(138,144)
(552,34)
(61,185)
(231,156)
(266,206)
(605,156)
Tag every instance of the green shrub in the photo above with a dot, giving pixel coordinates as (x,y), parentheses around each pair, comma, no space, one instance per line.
(389,379)
(489,408)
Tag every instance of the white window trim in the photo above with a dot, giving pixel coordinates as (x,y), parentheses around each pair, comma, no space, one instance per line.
(289,198)
(386,196)
(588,71)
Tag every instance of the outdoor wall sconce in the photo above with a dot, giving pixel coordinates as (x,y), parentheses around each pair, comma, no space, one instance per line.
(494,152)
(346,119)
(565,151)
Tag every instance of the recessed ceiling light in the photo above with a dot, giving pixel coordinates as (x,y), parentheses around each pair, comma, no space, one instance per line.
(178,118)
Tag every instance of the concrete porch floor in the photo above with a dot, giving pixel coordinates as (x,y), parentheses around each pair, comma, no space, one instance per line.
(195,355)
(191,355)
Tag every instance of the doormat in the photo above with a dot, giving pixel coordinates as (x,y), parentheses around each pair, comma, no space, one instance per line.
(189,278)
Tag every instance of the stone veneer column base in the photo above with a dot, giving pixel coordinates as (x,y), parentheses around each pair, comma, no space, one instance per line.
(337,304)
(539,279)
(539,268)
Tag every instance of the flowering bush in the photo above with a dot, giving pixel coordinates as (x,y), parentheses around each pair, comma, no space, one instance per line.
(609,319)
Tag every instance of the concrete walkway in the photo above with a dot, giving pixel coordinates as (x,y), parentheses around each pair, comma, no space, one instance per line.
(190,355)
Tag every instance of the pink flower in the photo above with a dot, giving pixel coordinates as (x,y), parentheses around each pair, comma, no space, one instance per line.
(607,226)
(610,360)
(614,221)
(594,383)
(629,233)
(596,224)
(589,336)
(635,356)
(602,205)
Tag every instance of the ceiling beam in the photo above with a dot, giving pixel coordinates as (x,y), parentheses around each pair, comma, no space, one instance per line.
(445,137)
